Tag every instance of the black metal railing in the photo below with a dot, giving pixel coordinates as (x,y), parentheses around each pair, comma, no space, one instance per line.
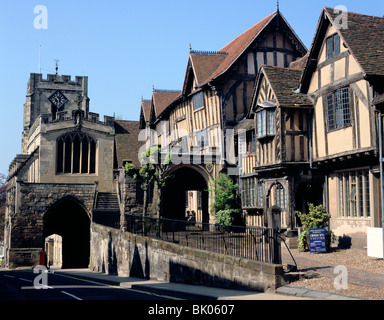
(254,243)
(106,218)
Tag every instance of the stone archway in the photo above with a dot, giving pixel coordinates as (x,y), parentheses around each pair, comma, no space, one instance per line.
(69,219)
(185,180)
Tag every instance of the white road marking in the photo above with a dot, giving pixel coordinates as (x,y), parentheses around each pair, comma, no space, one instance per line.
(25,280)
(121,287)
(71,295)
(5,275)
(66,287)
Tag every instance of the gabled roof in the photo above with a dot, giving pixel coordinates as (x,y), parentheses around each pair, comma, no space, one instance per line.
(237,46)
(145,112)
(299,64)
(245,124)
(201,65)
(204,64)
(364,37)
(146,108)
(283,81)
(127,144)
(161,99)
(210,66)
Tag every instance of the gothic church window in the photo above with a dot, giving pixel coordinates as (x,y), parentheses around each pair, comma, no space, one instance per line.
(76,154)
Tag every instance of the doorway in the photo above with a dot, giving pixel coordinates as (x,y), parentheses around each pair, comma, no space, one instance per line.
(186,191)
(68,219)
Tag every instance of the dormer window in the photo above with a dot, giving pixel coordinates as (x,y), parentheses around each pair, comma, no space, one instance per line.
(333,46)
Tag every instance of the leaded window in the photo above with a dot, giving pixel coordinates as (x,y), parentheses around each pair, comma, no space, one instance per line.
(265,122)
(338,109)
(198,100)
(251,193)
(333,46)
(354,194)
(280,196)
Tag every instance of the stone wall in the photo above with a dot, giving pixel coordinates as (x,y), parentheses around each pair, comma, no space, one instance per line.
(130,194)
(125,254)
(24,221)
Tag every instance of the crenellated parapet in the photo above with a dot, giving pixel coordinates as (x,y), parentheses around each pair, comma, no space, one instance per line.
(57,79)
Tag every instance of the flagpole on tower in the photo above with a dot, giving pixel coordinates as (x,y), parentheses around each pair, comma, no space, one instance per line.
(40,59)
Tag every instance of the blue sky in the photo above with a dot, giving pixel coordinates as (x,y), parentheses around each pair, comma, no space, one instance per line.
(125,47)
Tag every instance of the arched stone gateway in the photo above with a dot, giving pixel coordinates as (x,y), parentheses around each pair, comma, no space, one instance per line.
(69,219)
(186,191)
(40,210)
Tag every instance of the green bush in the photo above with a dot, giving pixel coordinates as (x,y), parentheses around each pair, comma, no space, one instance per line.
(316,218)
(228,216)
(224,204)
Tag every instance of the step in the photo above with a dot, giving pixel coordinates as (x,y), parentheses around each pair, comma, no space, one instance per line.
(107,201)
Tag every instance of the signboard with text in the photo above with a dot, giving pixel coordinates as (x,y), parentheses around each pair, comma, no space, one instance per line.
(317,241)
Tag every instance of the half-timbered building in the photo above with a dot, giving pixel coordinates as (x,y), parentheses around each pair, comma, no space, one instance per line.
(312,133)
(197,126)
(276,162)
(344,78)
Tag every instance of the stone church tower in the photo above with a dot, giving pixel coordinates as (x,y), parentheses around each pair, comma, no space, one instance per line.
(67,158)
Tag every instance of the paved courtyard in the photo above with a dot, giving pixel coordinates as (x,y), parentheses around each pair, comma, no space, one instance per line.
(365,274)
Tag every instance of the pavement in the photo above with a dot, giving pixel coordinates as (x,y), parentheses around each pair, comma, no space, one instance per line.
(309,266)
(197,292)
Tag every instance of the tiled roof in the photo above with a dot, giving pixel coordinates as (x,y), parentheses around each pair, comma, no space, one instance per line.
(127,143)
(237,46)
(204,64)
(364,37)
(300,63)
(283,82)
(146,109)
(161,99)
(208,66)
(245,124)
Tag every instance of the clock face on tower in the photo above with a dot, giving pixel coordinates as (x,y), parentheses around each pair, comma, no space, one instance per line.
(58,99)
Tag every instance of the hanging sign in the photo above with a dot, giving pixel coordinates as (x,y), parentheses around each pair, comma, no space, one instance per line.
(317,241)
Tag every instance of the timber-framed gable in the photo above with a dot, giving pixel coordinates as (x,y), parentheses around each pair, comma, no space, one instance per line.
(340,77)
(280,119)
(217,90)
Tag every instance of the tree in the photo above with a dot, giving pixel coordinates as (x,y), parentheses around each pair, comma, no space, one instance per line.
(152,170)
(224,205)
